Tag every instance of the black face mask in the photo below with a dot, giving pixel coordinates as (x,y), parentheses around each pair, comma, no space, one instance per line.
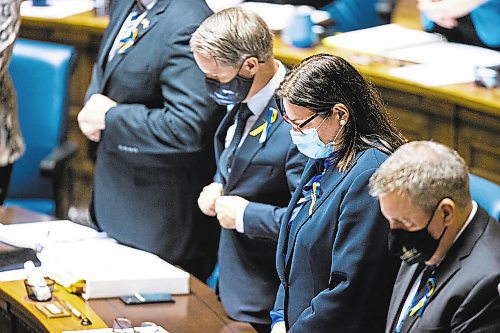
(232,92)
(414,246)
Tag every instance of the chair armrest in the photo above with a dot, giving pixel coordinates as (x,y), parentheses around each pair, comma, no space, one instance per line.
(57,157)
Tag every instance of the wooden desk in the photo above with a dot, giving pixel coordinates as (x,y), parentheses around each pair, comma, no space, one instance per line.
(195,313)
(462,116)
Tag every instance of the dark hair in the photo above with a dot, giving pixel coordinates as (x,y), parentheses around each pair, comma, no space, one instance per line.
(321,81)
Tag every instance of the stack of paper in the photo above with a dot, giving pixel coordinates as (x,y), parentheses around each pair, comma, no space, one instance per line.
(382,39)
(110,269)
(71,252)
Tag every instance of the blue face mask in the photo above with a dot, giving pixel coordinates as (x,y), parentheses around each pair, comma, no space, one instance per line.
(232,92)
(309,143)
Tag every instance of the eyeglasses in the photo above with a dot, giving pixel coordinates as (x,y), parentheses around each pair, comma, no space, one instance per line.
(124,325)
(296,127)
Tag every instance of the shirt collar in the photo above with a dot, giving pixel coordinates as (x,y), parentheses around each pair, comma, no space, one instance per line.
(467,222)
(148,3)
(258,102)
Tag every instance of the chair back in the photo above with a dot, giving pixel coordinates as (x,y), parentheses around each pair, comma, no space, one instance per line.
(486,194)
(40,72)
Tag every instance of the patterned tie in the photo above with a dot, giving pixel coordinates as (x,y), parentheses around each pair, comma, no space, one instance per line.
(127,38)
(226,158)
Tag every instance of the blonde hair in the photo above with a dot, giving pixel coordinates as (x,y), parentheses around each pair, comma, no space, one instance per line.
(232,35)
(426,171)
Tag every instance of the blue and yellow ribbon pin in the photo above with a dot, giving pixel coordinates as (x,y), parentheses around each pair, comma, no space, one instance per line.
(263,130)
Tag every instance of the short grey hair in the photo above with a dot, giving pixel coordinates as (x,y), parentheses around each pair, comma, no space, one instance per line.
(427,172)
(232,35)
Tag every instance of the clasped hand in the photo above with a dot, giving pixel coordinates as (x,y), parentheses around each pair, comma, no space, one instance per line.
(213,202)
(91,118)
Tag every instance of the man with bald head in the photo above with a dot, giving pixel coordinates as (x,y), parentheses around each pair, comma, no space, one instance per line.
(449,246)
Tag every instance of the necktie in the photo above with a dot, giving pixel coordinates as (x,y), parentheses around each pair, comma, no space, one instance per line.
(226,158)
(424,292)
(128,36)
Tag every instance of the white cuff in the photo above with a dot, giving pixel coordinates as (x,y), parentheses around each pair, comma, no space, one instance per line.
(239,219)
(279,327)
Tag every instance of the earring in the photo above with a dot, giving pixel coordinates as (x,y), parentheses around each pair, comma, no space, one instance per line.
(342,122)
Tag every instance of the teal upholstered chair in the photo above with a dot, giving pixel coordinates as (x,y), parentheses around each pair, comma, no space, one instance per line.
(486,194)
(41,73)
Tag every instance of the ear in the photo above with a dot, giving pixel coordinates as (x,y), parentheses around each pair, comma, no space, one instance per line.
(449,211)
(251,65)
(341,112)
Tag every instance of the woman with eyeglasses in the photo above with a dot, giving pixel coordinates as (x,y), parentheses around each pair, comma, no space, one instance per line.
(332,258)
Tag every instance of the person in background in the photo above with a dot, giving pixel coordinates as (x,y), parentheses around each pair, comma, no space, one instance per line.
(148,109)
(258,166)
(449,246)
(332,259)
(473,22)
(11,142)
(348,15)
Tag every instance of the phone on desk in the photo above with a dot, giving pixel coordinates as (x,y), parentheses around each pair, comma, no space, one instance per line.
(138,298)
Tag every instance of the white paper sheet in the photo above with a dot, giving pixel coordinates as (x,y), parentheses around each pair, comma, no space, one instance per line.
(435,74)
(447,53)
(382,39)
(37,235)
(56,9)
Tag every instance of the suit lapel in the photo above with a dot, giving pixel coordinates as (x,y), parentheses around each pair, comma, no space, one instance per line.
(220,133)
(399,293)
(110,40)
(333,178)
(460,250)
(146,24)
(250,147)
(309,171)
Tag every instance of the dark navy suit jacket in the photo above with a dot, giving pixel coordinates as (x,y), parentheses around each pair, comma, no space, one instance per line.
(335,271)
(466,297)
(265,174)
(156,152)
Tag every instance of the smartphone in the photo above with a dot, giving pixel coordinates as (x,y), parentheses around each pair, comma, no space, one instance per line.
(147,298)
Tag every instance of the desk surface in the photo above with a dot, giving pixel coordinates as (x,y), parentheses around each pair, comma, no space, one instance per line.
(195,313)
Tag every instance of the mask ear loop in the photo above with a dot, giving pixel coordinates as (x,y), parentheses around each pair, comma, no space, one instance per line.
(342,124)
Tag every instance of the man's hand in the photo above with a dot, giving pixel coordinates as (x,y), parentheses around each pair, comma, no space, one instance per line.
(206,200)
(91,117)
(227,208)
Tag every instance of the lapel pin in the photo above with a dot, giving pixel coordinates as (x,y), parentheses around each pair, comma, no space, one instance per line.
(145,23)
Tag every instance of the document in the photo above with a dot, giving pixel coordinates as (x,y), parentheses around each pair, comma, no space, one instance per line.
(435,74)
(37,235)
(110,269)
(447,53)
(381,39)
(56,9)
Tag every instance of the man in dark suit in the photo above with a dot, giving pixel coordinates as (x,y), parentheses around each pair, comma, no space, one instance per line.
(258,167)
(450,246)
(149,111)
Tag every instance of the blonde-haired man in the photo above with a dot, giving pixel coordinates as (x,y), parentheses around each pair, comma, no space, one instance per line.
(258,167)
(450,246)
